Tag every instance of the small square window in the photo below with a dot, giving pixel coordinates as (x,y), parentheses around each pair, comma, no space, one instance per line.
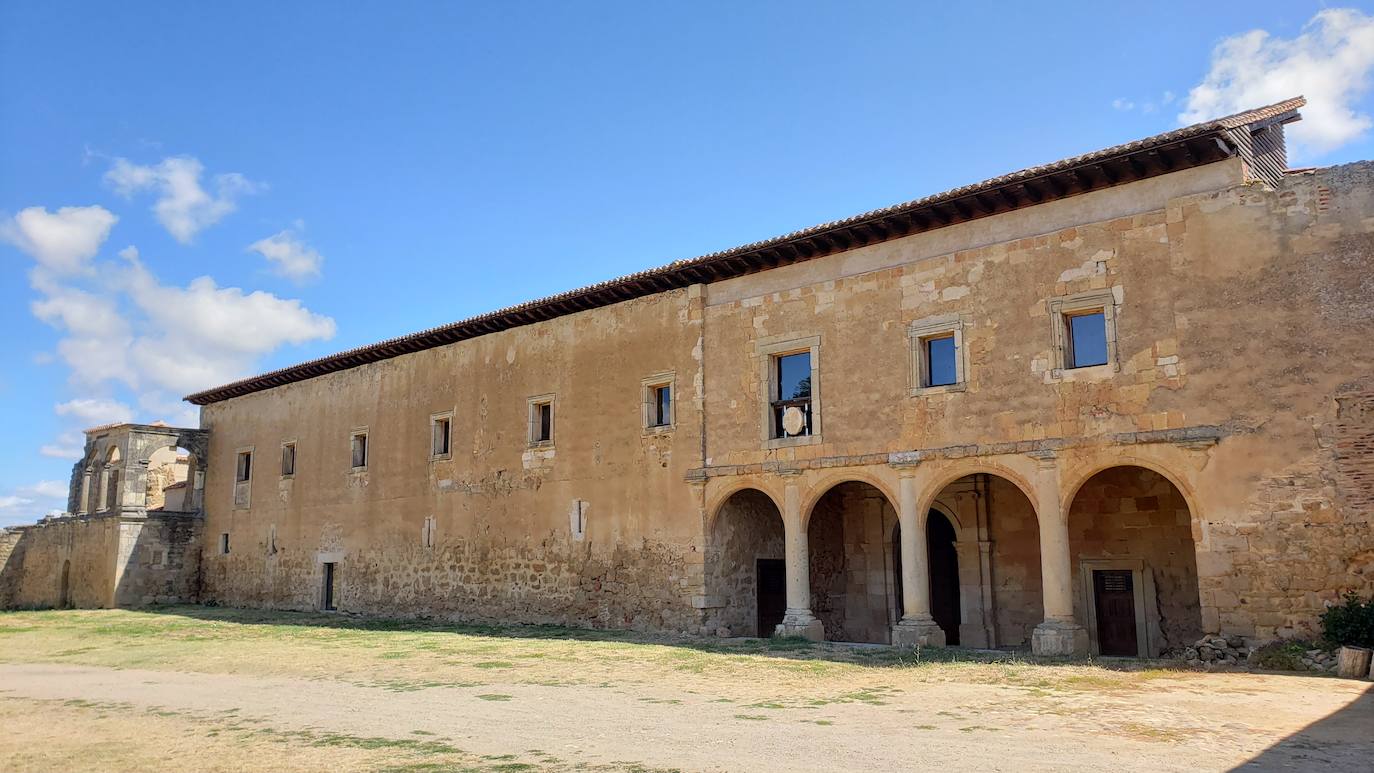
(942,355)
(656,399)
(441,436)
(358,448)
(1086,341)
(1084,332)
(244,470)
(937,355)
(541,420)
(288,459)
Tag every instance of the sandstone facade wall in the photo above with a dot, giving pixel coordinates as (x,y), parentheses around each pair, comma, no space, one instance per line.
(1241,351)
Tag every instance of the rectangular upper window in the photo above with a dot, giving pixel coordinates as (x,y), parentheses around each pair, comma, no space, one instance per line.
(541,420)
(1084,334)
(244,470)
(288,459)
(441,436)
(1086,338)
(789,392)
(358,449)
(656,401)
(937,356)
(792,395)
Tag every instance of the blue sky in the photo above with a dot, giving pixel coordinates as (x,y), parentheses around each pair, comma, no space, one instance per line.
(300,178)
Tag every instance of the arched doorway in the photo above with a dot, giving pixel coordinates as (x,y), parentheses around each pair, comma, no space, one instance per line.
(995,598)
(64,593)
(944,574)
(1135,563)
(745,570)
(852,576)
(943,564)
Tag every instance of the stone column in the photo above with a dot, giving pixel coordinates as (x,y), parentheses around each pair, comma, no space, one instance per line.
(1060,634)
(916,627)
(798,620)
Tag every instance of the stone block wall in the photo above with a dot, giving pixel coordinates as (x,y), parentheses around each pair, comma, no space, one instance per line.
(1015,564)
(637,586)
(748,528)
(1130,512)
(853,577)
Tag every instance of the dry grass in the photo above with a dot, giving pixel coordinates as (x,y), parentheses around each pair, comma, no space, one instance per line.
(409,655)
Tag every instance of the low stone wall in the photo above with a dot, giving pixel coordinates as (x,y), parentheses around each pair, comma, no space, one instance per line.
(642,587)
(100,561)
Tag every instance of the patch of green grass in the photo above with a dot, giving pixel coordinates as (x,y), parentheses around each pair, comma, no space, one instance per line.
(495,696)
(494,664)
(754,717)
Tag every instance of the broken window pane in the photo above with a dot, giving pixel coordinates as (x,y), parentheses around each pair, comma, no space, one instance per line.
(1087,339)
(663,406)
(441,437)
(941,367)
(288,459)
(245,466)
(545,426)
(360,450)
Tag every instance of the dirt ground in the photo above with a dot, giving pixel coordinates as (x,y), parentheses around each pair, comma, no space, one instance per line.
(199,689)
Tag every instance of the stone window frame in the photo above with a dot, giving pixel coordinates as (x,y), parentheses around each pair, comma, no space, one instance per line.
(1147,634)
(532,434)
(768,351)
(918,333)
(1061,309)
(647,403)
(285,444)
(434,419)
(243,489)
(367,448)
(224,543)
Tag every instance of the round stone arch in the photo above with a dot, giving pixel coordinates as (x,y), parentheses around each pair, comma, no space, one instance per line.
(1071,486)
(817,491)
(955,471)
(744,563)
(717,500)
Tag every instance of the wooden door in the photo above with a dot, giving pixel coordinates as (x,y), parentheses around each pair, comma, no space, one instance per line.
(1114,599)
(772,594)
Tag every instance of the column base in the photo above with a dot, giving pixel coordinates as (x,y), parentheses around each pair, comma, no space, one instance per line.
(1054,638)
(800,622)
(917,632)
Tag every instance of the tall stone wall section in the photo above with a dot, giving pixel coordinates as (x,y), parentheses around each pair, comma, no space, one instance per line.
(633,586)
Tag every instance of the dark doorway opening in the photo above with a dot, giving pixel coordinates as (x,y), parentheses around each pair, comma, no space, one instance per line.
(328,603)
(772,594)
(1114,599)
(944,575)
(64,596)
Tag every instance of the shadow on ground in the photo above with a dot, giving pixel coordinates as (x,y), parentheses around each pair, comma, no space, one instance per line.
(1343,740)
(786,648)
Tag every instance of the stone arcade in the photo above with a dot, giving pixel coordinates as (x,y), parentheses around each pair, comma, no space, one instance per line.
(1105,405)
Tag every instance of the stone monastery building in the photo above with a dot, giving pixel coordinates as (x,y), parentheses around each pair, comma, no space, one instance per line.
(1103,405)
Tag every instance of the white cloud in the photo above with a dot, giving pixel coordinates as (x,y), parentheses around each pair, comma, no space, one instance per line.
(183,207)
(94,411)
(294,258)
(1329,62)
(27,504)
(69,446)
(63,242)
(1123,104)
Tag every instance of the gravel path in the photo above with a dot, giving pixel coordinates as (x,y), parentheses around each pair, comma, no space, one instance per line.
(1186,724)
